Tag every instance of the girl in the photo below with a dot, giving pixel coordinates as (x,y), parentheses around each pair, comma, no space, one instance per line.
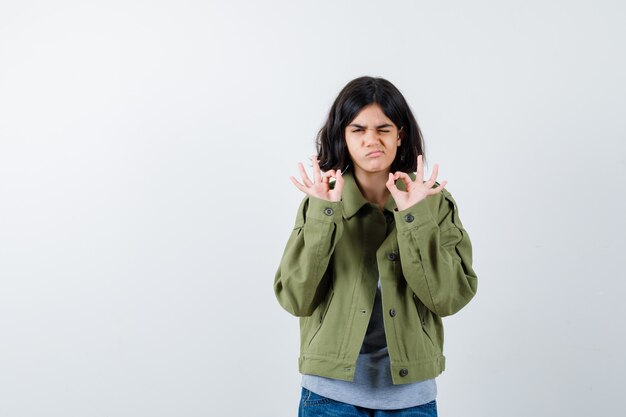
(376,258)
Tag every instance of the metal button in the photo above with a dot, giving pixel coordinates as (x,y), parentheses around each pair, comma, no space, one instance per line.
(328,211)
(392,256)
(409,218)
(404,372)
(392,312)
(389,218)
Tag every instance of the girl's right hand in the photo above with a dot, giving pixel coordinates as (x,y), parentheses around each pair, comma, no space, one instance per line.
(320,186)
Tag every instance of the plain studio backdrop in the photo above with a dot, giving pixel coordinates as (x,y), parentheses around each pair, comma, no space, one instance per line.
(145,201)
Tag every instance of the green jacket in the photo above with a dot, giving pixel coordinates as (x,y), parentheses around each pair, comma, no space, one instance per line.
(329,272)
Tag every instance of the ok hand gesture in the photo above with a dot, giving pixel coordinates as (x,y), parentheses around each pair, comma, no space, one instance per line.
(320,186)
(416,190)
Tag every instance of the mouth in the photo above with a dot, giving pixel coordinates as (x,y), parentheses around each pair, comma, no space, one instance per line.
(374,154)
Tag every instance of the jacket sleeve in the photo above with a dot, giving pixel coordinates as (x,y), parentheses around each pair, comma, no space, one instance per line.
(436,255)
(302,279)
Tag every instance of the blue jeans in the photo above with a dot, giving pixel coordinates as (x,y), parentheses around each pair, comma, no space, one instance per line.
(313,405)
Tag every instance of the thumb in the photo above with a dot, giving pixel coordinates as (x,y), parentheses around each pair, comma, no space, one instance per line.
(339,181)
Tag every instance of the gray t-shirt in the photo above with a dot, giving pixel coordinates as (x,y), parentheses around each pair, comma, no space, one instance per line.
(372,386)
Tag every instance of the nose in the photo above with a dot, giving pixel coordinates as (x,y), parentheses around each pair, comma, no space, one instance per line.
(372,135)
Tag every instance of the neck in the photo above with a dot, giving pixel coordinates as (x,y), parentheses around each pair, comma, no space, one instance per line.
(372,186)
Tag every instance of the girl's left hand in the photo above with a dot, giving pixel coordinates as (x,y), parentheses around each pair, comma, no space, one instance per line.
(417,190)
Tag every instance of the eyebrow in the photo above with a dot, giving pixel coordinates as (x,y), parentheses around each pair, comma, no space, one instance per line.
(377,127)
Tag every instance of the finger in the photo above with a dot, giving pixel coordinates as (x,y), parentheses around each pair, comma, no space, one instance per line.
(433,176)
(328,175)
(391,184)
(317,176)
(303,174)
(420,170)
(439,188)
(404,177)
(298,185)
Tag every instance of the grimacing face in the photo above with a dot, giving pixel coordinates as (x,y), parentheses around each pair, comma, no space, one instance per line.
(372,140)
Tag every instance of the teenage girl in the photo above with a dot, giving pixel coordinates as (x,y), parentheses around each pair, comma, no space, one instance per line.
(376,257)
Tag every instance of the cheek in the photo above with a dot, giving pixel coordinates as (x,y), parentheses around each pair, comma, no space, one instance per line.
(392,155)
(393,148)
(351,146)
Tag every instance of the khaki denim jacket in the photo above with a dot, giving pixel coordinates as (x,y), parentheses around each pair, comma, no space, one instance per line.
(329,273)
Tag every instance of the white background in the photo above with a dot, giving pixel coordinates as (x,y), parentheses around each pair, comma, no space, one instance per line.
(145,150)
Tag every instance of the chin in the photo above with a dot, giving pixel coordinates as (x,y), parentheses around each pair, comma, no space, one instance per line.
(376,168)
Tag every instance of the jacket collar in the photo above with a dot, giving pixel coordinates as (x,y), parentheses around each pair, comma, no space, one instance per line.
(353,199)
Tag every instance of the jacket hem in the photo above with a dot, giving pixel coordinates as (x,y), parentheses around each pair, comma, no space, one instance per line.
(343,369)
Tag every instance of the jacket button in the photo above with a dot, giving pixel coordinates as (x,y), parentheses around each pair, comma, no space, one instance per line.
(392,256)
(404,372)
(388,218)
(409,218)
(392,312)
(328,211)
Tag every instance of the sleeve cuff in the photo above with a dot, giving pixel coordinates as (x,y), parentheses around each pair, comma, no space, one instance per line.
(415,216)
(325,211)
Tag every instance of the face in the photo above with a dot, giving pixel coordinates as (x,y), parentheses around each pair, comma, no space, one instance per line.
(372,140)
